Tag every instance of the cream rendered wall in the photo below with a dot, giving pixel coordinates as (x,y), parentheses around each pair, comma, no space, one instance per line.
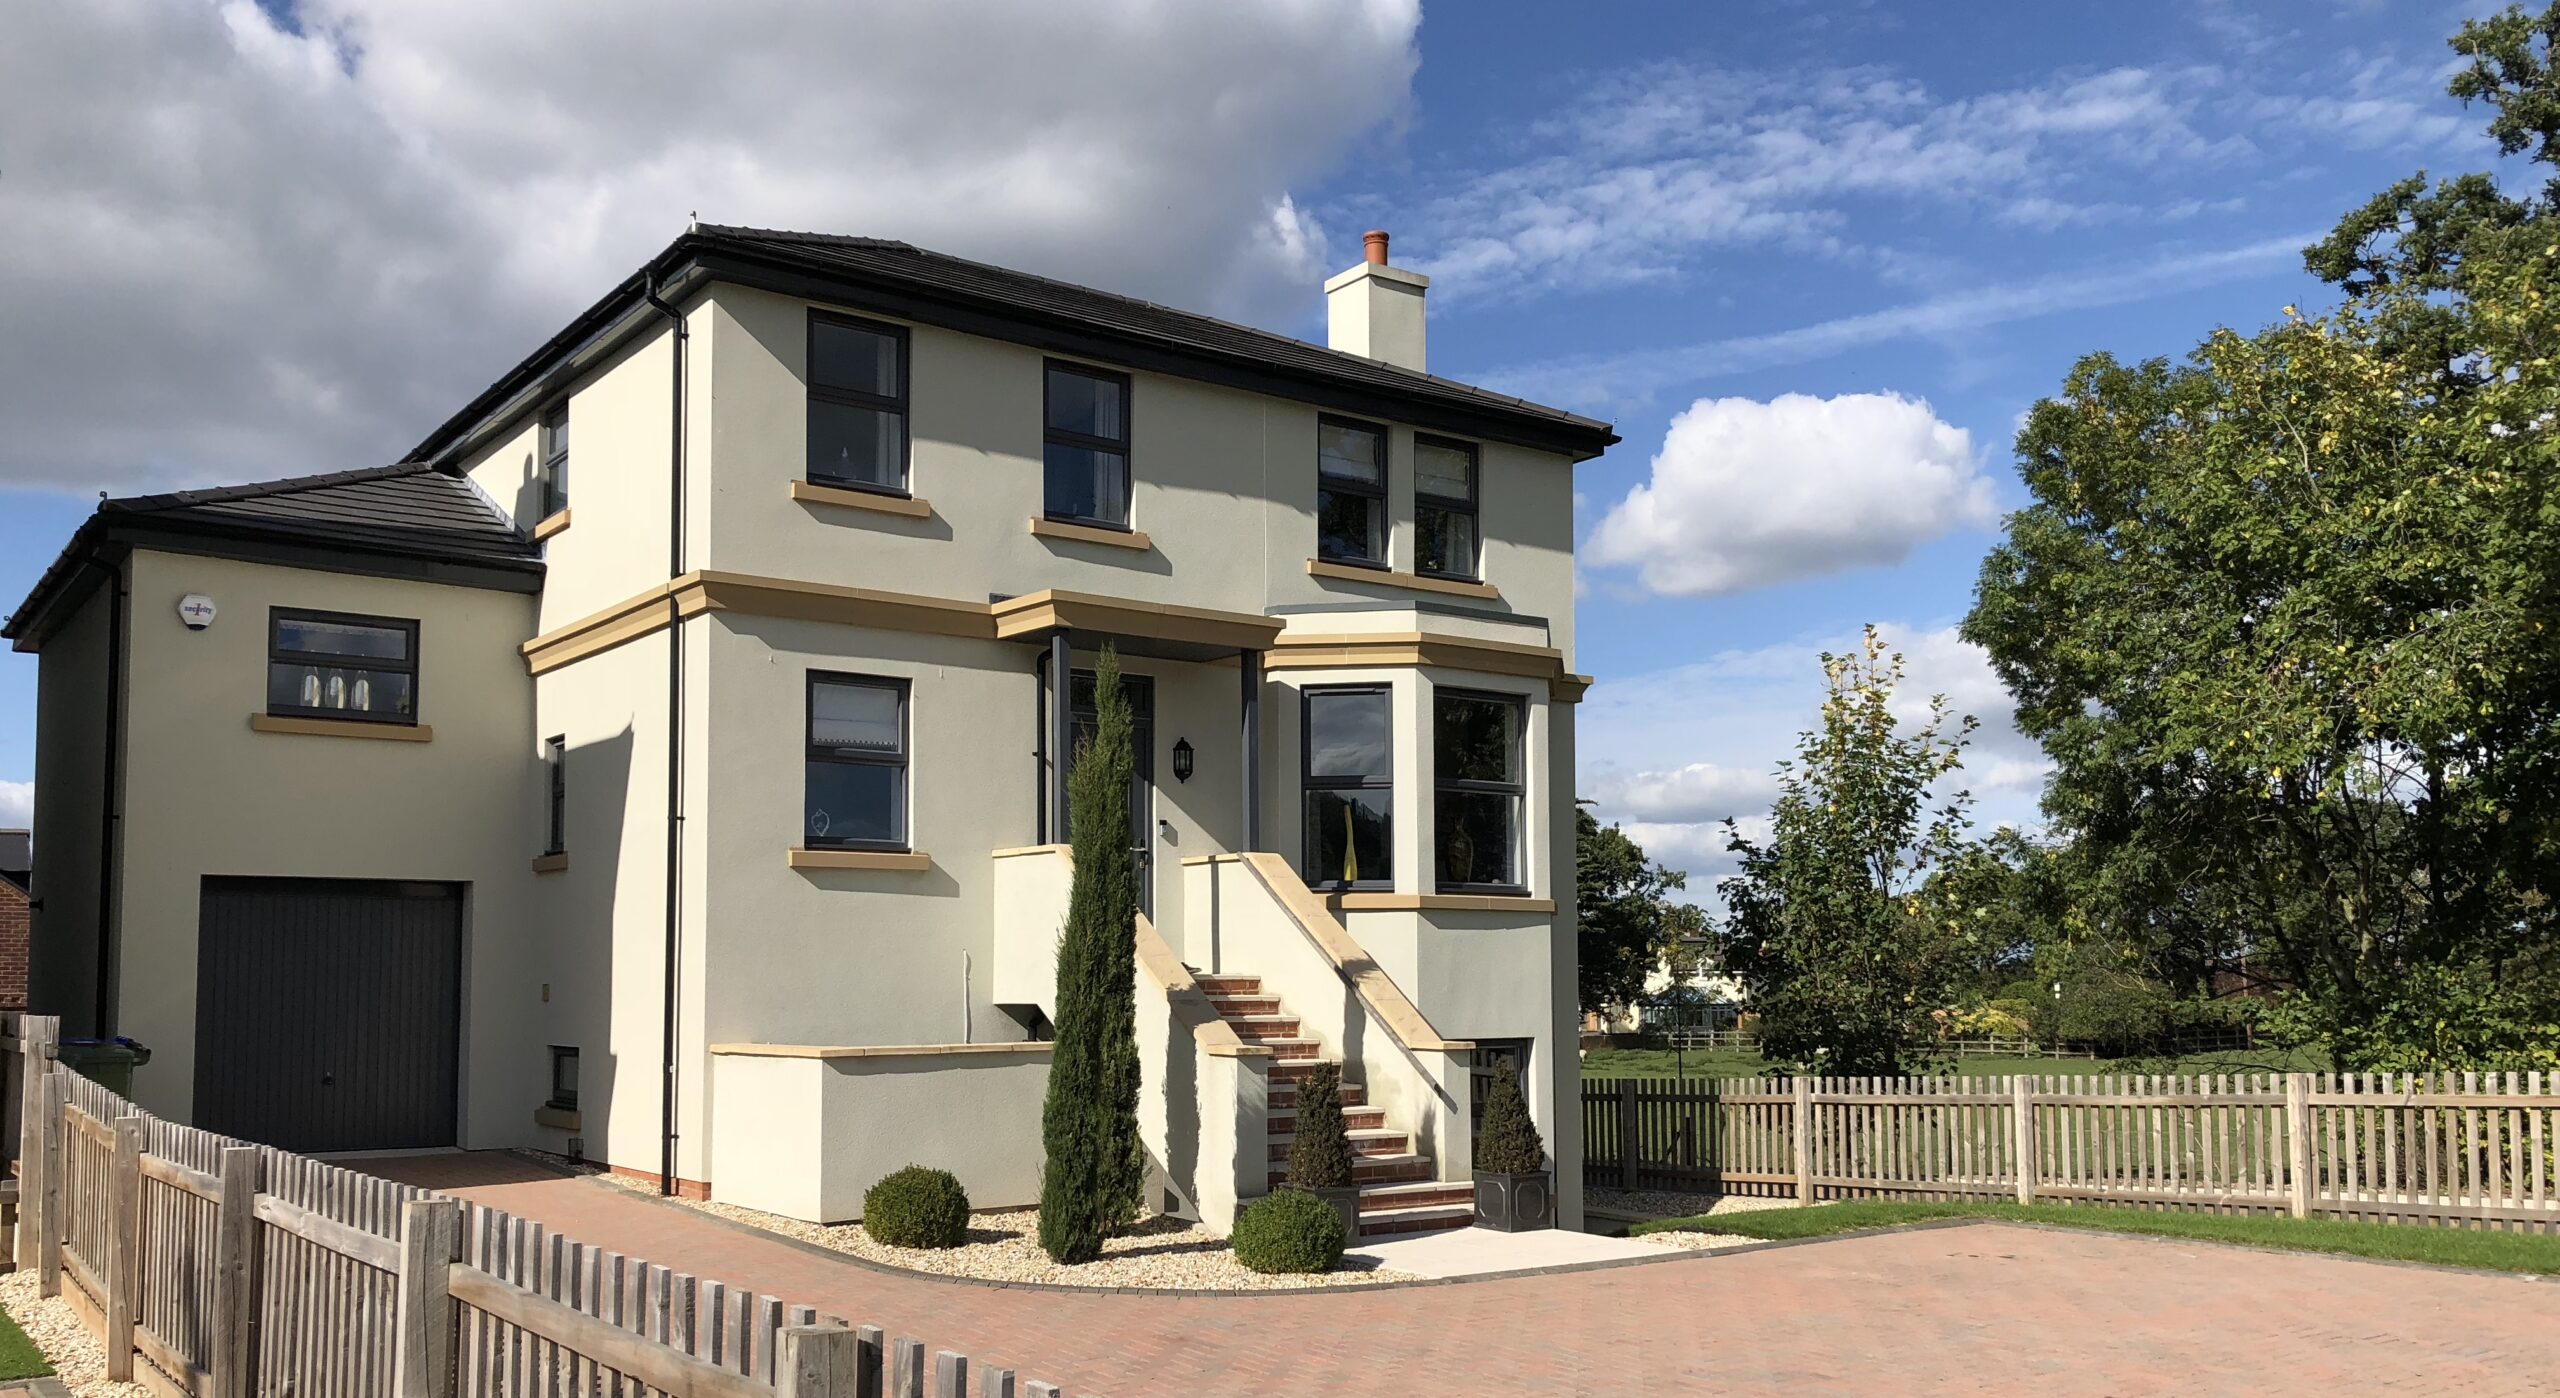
(805,1137)
(206,795)
(71,717)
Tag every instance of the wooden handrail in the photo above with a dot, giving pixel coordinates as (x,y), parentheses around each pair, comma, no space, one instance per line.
(1387,1003)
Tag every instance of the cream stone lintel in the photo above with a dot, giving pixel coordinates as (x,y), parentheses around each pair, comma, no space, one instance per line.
(906,506)
(1090,534)
(1023,851)
(1440,902)
(889,861)
(874,1050)
(1039,613)
(1385,577)
(550,525)
(342,728)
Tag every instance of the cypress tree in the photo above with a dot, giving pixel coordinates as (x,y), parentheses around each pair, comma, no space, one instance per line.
(1095,1164)
(1508,1142)
(1319,1149)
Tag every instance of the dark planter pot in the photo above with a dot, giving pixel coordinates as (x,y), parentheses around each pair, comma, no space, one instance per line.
(1346,1204)
(1515,1203)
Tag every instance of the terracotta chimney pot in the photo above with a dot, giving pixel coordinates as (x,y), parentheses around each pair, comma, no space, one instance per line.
(1375,240)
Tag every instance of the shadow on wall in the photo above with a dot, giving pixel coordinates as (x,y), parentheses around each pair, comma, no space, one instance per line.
(576,911)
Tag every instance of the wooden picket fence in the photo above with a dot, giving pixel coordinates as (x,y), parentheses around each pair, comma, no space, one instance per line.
(2474,1150)
(209,1268)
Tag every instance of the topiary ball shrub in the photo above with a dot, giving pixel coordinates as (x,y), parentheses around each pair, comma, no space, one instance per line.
(916,1208)
(1289,1230)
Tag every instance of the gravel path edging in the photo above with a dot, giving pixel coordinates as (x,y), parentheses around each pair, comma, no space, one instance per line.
(78,1363)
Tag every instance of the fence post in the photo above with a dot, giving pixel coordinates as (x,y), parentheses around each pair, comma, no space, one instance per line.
(2022,1108)
(995,1383)
(871,1361)
(422,1357)
(1626,1133)
(2297,1132)
(235,1241)
(38,1037)
(950,1375)
(906,1369)
(818,1361)
(1804,1139)
(124,1248)
(48,1202)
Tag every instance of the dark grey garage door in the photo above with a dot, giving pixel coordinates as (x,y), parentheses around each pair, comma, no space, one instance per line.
(328,1012)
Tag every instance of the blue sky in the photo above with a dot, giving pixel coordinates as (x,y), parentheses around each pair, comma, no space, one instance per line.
(1844,246)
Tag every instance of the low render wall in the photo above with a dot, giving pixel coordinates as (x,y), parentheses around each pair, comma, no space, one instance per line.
(802,1131)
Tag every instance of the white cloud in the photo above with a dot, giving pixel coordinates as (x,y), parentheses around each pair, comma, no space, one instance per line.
(1698,792)
(17,805)
(1745,494)
(255,250)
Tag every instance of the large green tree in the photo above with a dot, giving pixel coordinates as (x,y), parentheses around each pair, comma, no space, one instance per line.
(1626,921)
(1840,926)
(2283,615)
(1095,1164)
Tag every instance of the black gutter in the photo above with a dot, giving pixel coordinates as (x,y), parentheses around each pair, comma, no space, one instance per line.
(119,597)
(675,740)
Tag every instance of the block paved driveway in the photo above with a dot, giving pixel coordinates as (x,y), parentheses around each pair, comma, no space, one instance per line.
(1984,1308)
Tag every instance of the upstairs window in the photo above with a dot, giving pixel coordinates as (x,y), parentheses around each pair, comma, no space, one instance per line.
(857,768)
(1475,813)
(555,760)
(1444,508)
(1086,456)
(857,404)
(555,460)
(1351,492)
(1347,780)
(327,665)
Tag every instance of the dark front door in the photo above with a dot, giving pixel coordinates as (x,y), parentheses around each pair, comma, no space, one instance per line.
(1140,691)
(328,1012)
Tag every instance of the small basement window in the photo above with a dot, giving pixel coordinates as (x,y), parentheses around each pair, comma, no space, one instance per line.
(332,665)
(564,1079)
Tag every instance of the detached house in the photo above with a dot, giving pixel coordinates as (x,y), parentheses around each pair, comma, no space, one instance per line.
(664,761)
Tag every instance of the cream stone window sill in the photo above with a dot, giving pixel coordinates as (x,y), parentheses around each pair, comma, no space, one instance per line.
(887,860)
(1089,534)
(550,863)
(550,525)
(1386,577)
(905,506)
(342,728)
(558,1118)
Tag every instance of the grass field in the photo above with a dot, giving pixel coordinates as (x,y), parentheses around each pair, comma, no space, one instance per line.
(2452,1247)
(1734,1063)
(19,1357)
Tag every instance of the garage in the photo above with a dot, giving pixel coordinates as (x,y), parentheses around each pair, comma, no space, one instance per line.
(328,1013)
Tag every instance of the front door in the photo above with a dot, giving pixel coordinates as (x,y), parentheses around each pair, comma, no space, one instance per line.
(1140,691)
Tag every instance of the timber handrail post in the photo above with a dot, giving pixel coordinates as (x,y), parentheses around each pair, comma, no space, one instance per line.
(235,1243)
(1804,1139)
(39,1037)
(1626,1133)
(2297,1132)
(430,1243)
(124,1249)
(821,1361)
(2022,1109)
(48,1201)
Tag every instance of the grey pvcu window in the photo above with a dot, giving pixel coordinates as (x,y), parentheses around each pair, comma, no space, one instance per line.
(555,460)
(1085,451)
(1478,791)
(857,403)
(555,760)
(857,768)
(337,665)
(1484,1064)
(564,1079)
(1446,543)
(1346,779)
(1351,492)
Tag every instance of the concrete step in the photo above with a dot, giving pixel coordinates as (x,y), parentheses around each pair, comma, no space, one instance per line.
(1431,1219)
(1372,1142)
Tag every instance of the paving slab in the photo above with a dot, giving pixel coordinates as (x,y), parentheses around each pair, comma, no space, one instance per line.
(1482,1252)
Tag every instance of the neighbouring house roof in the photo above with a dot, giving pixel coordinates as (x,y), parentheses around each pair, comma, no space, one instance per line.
(933,288)
(408,520)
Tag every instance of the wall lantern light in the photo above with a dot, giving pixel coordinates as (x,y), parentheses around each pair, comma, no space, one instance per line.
(1182,759)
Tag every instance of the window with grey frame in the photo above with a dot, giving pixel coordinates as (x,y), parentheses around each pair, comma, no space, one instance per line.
(1478,790)
(336,665)
(1351,492)
(555,824)
(1085,445)
(1346,779)
(857,403)
(564,1079)
(855,793)
(555,460)
(1446,539)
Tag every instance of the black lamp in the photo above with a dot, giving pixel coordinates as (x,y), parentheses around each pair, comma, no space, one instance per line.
(1182,759)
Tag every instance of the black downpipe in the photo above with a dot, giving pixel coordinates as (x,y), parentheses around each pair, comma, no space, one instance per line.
(675,743)
(109,789)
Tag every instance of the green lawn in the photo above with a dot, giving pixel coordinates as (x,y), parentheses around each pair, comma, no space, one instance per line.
(2505,1252)
(1735,1063)
(19,1357)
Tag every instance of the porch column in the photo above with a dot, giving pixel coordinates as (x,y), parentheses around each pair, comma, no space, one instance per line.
(1062,731)
(1250,663)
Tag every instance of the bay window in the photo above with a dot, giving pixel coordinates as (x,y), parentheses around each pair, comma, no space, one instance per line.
(1347,783)
(1478,790)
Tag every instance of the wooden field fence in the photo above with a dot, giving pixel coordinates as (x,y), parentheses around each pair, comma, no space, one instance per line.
(2471,1150)
(211,1268)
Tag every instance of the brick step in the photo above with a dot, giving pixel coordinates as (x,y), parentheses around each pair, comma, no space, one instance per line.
(1230,985)
(1292,1069)
(1373,1142)
(1233,1005)
(1376,1169)
(1284,1094)
(1432,1219)
(1381,1198)
(1300,1053)
(1353,1119)
(1254,1029)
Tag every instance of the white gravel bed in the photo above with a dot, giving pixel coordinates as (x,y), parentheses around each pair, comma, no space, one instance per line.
(56,1329)
(1160,1252)
(1696,1242)
(1665,1203)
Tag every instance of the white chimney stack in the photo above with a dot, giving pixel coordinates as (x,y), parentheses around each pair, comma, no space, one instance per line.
(1376,310)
